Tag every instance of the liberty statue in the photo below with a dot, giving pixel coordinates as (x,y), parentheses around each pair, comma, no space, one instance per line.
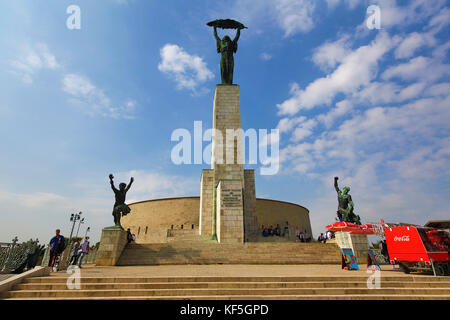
(226,47)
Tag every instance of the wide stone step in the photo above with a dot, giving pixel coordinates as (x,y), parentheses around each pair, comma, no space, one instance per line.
(138,262)
(264,245)
(220,279)
(221,251)
(228,285)
(226,292)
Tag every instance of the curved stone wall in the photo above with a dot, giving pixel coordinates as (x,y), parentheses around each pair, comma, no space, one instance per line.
(151,221)
(273,212)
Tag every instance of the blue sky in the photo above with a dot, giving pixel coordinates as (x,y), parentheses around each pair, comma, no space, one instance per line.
(371,106)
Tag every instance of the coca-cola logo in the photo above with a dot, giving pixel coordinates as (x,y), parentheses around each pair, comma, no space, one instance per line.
(404,238)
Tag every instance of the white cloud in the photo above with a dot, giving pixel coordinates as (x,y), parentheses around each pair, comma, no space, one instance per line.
(291,16)
(304,130)
(357,69)
(387,92)
(295,16)
(416,10)
(330,54)
(92,100)
(439,21)
(287,124)
(413,42)
(438,89)
(32,200)
(302,127)
(421,68)
(189,71)
(342,108)
(32,60)
(440,52)
(350,3)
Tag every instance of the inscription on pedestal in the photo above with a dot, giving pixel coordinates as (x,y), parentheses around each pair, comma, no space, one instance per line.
(229,221)
(232,198)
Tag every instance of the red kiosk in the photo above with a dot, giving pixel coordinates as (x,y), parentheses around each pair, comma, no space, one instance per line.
(410,246)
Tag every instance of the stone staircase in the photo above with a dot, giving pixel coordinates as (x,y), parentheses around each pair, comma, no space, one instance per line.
(234,288)
(204,252)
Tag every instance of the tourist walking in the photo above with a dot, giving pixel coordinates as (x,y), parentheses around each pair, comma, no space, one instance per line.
(74,253)
(57,246)
(84,250)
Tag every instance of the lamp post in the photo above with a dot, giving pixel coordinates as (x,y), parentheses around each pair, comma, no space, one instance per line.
(74,217)
(79,224)
(87,230)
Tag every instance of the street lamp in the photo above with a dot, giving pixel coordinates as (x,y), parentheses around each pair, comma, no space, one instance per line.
(79,224)
(87,230)
(74,217)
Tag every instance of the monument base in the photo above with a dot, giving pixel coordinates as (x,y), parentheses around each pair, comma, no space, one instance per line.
(357,242)
(112,243)
(230,218)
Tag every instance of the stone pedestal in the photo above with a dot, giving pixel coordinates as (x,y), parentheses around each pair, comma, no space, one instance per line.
(227,167)
(229,212)
(357,242)
(112,243)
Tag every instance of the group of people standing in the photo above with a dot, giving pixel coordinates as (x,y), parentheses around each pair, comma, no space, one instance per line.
(271,231)
(324,237)
(58,245)
(301,236)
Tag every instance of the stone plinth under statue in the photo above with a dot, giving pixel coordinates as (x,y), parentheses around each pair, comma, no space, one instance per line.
(112,243)
(231,221)
(229,212)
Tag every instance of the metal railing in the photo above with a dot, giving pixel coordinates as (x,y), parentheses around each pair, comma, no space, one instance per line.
(15,256)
